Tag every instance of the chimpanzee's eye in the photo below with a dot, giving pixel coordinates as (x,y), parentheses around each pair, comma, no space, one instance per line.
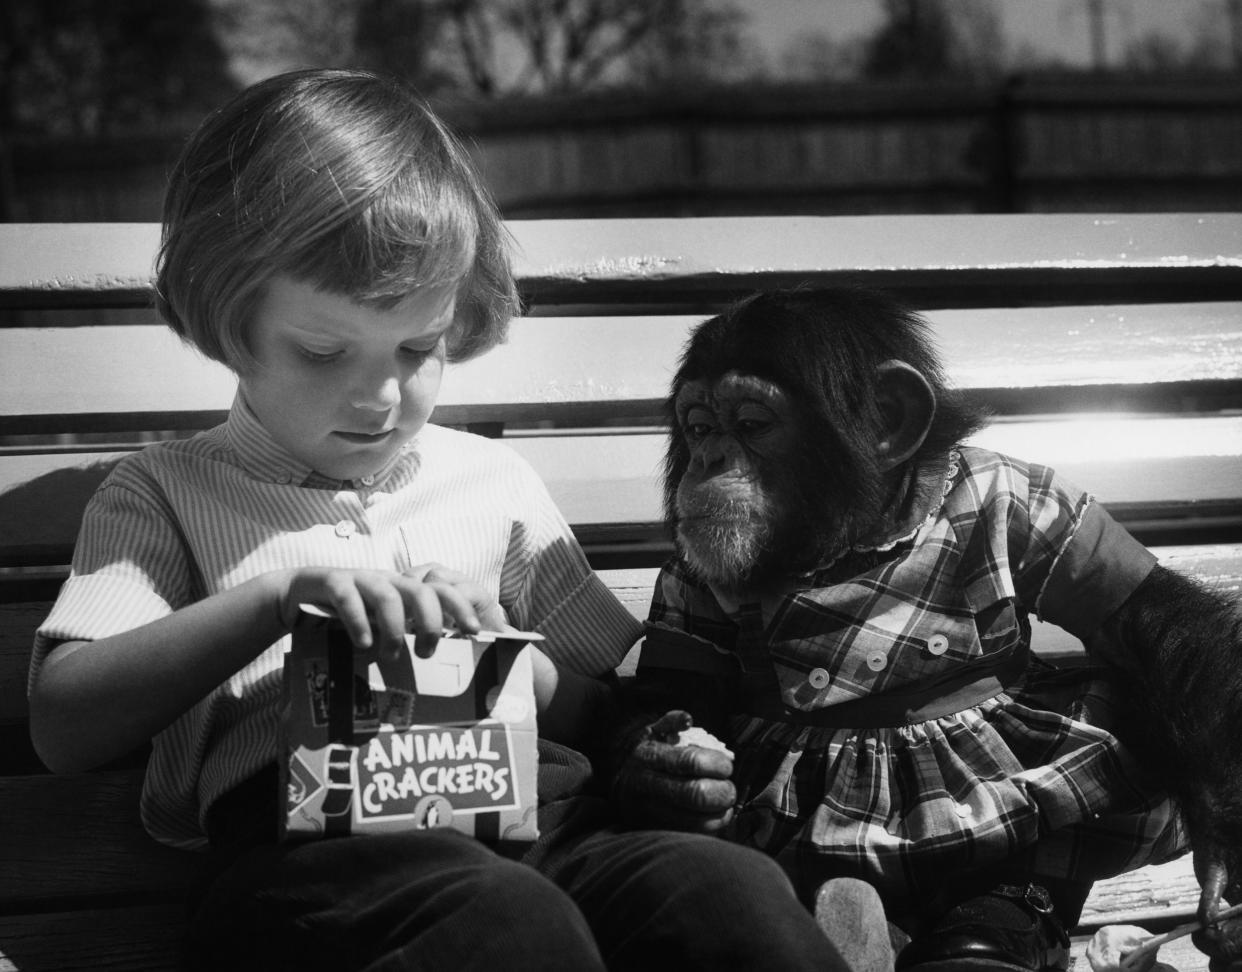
(751,427)
(697,422)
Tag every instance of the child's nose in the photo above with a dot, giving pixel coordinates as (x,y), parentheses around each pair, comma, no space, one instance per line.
(378,392)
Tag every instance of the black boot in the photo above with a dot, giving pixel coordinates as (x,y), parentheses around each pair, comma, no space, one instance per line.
(1009,929)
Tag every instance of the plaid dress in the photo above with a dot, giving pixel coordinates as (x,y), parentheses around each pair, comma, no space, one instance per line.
(896,726)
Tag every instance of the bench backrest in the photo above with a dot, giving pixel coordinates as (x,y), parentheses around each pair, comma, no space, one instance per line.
(1109,347)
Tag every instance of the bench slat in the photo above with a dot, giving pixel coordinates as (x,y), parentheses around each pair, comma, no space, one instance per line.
(1123,460)
(606,483)
(1147,256)
(78,841)
(135,939)
(933,259)
(18,622)
(553,364)
(1146,895)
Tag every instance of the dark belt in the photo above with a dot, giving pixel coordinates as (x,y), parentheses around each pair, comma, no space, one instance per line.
(963,687)
(966,686)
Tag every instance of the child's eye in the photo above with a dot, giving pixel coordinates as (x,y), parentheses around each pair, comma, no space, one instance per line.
(418,354)
(319,357)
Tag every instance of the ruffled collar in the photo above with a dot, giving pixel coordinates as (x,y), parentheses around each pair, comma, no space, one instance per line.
(919,502)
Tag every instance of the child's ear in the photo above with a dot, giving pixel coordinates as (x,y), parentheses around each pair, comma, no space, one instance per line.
(907,406)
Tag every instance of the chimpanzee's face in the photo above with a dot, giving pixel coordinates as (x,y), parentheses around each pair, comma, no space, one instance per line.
(733,507)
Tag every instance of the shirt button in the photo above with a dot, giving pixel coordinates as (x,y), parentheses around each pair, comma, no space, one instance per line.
(284,477)
(346,529)
(876,660)
(937,644)
(367,480)
(963,810)
(818,678)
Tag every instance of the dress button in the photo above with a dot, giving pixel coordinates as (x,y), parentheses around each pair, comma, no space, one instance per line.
(876,660)
(818,678)
(937,644)
(346,528)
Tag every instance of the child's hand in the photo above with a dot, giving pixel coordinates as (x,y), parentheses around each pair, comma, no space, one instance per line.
(378,608)
(665,783)
(486,608)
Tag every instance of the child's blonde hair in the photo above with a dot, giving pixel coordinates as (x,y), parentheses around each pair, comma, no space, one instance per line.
(342,179)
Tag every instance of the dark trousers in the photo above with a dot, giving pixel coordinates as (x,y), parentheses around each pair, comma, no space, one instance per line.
(584,897)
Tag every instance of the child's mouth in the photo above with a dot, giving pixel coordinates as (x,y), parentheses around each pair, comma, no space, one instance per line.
(365,438)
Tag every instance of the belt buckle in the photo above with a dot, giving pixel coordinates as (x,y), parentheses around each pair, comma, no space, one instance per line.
(340,767)
(1036,896)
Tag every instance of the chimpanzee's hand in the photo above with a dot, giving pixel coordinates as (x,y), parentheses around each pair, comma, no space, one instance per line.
(1222,943)
(673,787)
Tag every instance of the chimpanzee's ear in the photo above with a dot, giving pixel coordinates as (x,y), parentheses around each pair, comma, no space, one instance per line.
(907,406)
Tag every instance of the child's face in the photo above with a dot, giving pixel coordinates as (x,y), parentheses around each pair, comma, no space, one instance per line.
(341,385)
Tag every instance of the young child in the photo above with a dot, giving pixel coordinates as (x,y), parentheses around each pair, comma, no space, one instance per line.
(326,239)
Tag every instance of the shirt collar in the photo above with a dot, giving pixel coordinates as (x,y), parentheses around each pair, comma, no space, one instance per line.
(266,460)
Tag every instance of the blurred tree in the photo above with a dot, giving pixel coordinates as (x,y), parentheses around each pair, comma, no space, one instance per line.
(1233,13)
(498,47)
(1219,40)
(397,37)
(267,37)
(693,42)
(1097,14)
(90,67)
(818,56)
(1155,53)
(936,38)
(273,36)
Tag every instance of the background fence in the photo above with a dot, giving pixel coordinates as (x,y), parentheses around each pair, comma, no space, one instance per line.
(1073,144)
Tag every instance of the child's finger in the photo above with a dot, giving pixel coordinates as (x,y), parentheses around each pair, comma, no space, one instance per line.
(457,605)
(486,610)
(351,610)
(424,617)
(388,617)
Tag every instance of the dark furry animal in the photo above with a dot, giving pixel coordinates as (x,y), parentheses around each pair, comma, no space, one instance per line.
(806,426)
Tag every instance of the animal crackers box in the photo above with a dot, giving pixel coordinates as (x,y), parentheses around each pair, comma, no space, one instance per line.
(445,741)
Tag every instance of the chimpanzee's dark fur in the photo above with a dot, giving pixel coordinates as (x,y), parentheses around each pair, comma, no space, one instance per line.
(1184,698)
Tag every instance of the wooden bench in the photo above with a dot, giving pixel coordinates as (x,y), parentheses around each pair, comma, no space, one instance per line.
(1110,348)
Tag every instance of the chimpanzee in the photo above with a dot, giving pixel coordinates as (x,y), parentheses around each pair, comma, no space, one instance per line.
(848,608)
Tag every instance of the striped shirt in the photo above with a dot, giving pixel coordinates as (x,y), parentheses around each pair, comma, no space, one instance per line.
(1029,768)
(180,521)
